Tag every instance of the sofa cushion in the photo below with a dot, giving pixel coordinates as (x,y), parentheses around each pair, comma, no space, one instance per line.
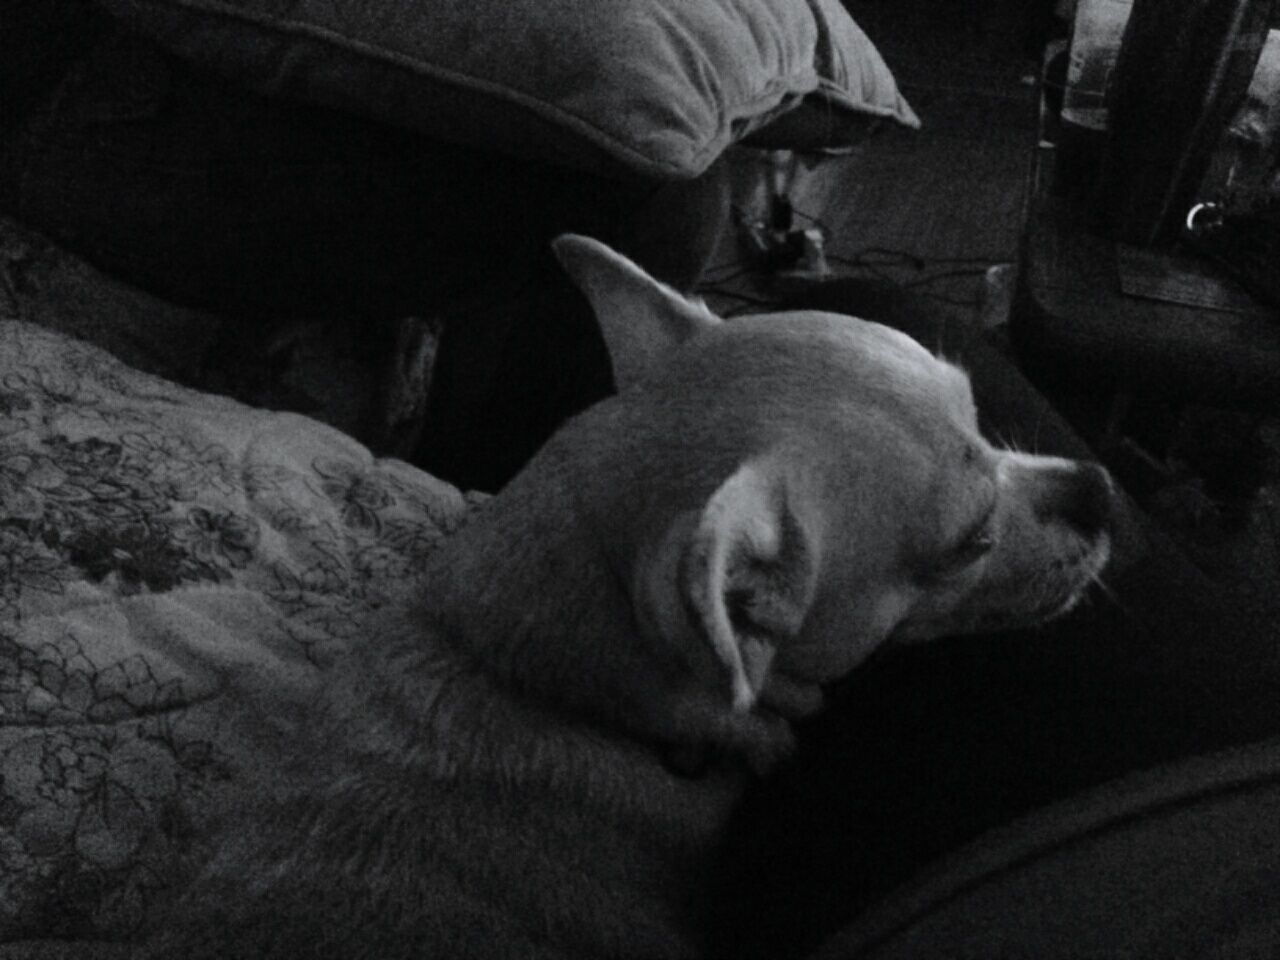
(655,87)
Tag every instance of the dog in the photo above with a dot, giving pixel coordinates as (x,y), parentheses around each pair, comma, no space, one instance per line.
(539,760)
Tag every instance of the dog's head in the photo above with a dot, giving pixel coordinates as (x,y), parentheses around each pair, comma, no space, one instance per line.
(792,490)
(762,505)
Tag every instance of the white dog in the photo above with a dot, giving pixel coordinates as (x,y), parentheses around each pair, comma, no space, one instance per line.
(677,573)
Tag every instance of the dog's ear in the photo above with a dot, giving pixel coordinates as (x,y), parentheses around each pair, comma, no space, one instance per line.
(642,319)
(750,571)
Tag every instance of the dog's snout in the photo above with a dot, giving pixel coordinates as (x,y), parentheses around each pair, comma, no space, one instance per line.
(1080,496)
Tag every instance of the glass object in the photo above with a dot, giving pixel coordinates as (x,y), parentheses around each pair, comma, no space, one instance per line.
(1183,69)
(1242,171)
(1095,45)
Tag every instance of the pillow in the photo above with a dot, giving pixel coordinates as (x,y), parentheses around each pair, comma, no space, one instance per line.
(162,554)
(655,87)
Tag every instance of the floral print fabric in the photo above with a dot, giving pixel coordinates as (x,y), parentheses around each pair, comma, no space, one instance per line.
(160,548)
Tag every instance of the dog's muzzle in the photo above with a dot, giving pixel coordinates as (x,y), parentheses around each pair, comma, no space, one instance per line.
(1081,495)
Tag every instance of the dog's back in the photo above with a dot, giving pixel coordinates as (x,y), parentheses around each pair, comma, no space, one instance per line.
(432,813)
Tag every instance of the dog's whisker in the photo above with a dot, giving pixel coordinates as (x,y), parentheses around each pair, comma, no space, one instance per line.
(1035,431)
(1105,590)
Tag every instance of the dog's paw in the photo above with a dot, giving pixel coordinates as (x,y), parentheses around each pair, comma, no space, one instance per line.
(761,739)
(701,729)
(688,760)
(789,698)
(757,741)
(775,743)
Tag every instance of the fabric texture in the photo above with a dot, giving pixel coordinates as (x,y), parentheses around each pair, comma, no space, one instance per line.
(657,87)
(161,551)
(1180,861)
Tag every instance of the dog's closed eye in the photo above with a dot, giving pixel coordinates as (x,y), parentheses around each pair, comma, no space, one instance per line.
(974,546)
(974,542)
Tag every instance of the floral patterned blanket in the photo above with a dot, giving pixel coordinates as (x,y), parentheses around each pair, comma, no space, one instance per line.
(159,548)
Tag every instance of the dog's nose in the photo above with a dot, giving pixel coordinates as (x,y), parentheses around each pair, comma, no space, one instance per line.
(1081,496)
